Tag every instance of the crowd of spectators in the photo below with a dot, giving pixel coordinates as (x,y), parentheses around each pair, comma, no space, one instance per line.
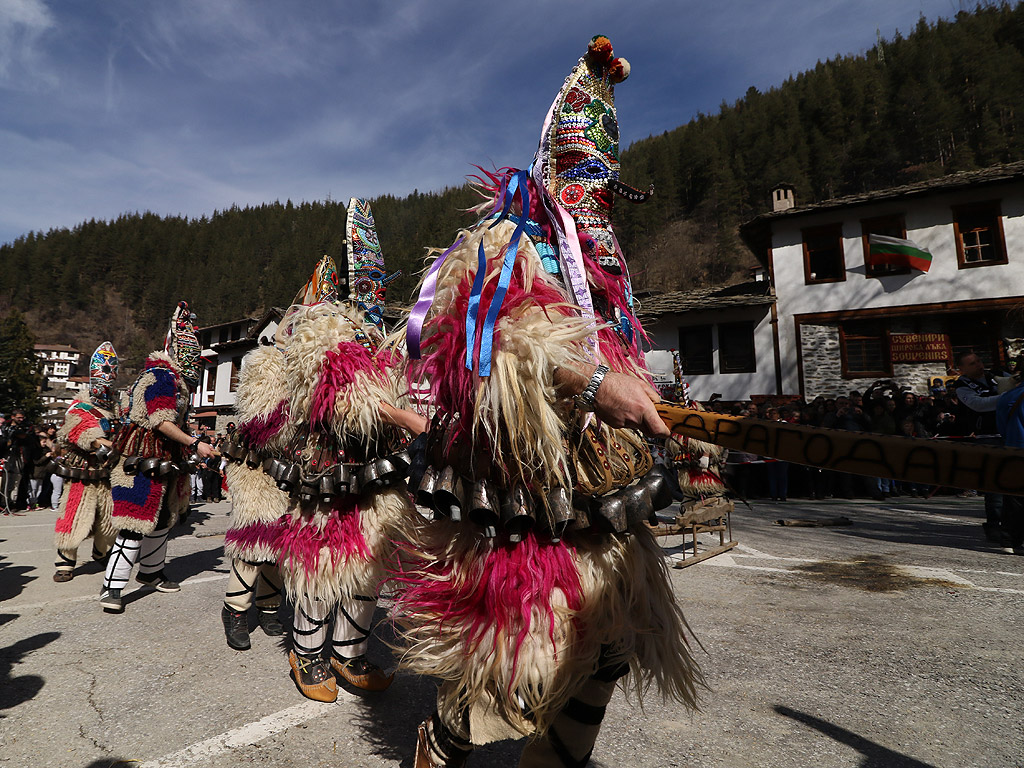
(882,408)
(27,451)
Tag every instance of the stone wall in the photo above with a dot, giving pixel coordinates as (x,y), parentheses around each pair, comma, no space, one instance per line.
(823,368)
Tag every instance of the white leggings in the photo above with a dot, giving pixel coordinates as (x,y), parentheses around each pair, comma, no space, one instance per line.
(352,619)
(149,550)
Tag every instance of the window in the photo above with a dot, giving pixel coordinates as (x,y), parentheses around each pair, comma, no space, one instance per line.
(981,333)
(211,380)
(891,226)
(695,350)
(236,332)
(864,348)
(736,348)
(823,254)
(236,364)
(978,230)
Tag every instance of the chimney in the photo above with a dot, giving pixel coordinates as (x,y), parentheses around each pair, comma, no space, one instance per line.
(783,197)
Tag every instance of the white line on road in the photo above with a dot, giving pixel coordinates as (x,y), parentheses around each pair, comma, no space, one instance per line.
(82,598)
(26,552)
(242,736)
(30,525)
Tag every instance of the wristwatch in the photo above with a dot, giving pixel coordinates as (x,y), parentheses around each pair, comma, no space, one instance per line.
(587,399)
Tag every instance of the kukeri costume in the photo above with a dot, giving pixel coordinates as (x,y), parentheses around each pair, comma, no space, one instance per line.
(343,470)
(86,505)
(150,484)
(537,586)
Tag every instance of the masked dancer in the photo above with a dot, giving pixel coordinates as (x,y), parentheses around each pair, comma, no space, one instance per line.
(538,586)
(84,463)
(150,483)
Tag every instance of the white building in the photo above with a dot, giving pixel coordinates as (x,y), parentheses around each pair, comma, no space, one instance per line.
(837,324)
(60,385)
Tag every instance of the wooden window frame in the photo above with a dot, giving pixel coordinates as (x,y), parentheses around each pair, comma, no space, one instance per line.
(747,325)
(848,374)
(687,370)
(236,368)
(865,228)
(810,232)
(986,206)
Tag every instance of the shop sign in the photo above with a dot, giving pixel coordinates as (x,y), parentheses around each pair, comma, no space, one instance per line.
(920,348)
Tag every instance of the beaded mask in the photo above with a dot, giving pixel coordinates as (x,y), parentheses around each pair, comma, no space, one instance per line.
(183,346)
(367,276)
(321,286)
(102,374)
(580,151)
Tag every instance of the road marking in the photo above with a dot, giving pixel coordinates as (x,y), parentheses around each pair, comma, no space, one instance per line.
(30,525)
(242,736)
(26,552)
(82,598)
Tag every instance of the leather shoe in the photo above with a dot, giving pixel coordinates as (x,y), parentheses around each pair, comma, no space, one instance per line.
(362,673)
(236,628)
(270,623)
(312,677)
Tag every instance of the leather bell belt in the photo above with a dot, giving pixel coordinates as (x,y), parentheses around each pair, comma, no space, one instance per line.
(155,468)
(339,479)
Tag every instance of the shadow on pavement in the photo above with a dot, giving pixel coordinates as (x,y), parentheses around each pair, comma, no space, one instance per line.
(197,563)
(112,762)
(18,690)
(875,755)
(13,578)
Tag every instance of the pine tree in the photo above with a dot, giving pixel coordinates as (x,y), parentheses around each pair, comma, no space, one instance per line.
(20,376)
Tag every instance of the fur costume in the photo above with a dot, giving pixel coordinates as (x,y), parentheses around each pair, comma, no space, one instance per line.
(86,505)
(150,482)
(538,581)
(332,493)
(141,500)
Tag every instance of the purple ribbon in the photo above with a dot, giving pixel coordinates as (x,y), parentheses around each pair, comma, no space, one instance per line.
(414,330)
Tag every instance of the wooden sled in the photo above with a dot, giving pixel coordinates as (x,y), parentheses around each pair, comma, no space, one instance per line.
(707,515)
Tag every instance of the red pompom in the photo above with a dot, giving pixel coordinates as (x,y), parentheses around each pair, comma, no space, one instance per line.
(600,50)
(618,70)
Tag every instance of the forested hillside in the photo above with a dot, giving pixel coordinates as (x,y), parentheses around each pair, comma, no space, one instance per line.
(946,97)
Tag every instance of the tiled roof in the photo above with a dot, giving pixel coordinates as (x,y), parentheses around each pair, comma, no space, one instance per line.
(749,294)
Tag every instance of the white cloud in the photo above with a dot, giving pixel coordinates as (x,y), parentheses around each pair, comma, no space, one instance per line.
(22,24)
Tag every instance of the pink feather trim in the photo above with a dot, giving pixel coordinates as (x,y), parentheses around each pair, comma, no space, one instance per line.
(260,430)
(496,590)
(338,370)
(300,543)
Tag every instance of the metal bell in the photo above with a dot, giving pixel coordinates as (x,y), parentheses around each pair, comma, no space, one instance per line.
(388,473)
(164,469)
(425,490)
(341,479)
(658,487)
(131,465)
(252,459)
(448,494)
(289,477)
(638,503)
(368,478)
(484,508)
(560,511)
(326,488)
(149,466)
(517,512)
(402,460)
(611,512)
(308,491)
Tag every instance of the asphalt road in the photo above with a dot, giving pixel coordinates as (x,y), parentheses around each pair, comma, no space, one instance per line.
(895,641)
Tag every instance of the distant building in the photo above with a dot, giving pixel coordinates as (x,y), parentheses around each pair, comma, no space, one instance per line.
(837,323)
(60,385)
(224,345)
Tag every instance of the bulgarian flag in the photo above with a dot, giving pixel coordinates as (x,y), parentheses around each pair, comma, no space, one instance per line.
(897,252)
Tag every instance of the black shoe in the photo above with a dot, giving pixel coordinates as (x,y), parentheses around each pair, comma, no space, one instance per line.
(236,629)
(270,623)
(158,581)
(110,599)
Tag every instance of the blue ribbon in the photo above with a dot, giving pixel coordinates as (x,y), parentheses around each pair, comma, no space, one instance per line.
(474,304)
(520,184)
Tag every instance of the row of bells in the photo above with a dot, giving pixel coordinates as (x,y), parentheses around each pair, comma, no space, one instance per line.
(339,480)
(79,474)
(153,468)
(448,495)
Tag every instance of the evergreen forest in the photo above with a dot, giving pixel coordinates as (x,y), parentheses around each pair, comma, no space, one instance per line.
(947,96)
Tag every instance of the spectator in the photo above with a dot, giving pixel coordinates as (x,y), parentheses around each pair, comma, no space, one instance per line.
(778,471)
(1010,422)
(977,393)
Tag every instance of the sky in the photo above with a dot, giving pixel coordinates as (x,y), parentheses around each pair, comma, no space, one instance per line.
(185,107)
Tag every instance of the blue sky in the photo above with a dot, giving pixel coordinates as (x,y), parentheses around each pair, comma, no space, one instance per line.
(190,106)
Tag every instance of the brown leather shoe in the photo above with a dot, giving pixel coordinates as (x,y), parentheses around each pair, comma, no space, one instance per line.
(61,576)
(313,679)
(362,673)
(422,759)
(426,735)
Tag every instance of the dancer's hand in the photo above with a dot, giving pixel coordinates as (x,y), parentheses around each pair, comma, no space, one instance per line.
(408,420)
(622,400)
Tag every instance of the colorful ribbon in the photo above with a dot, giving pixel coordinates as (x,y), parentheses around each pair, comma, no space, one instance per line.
(414,330)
